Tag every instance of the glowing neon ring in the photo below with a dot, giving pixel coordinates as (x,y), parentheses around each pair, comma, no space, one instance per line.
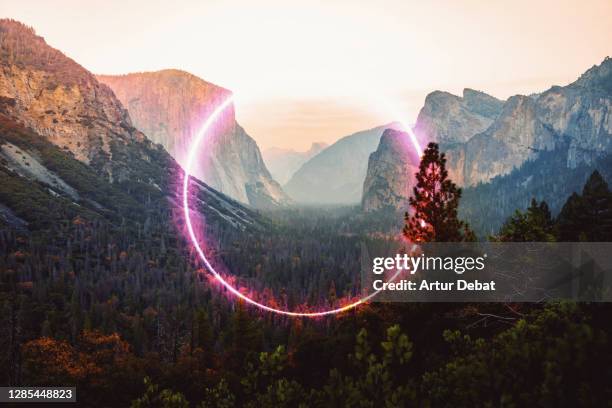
(190,157)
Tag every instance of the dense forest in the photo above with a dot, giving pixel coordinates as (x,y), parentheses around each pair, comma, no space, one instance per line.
(544,178)
(116,305)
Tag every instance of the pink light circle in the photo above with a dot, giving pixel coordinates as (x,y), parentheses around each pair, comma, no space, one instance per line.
(195,143)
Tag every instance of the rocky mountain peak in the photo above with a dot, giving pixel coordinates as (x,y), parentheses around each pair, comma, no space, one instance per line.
(482,103)
(485,138)
(283,163)
(598,77)
(336,174)
(449,119)
(390,174)
(50,93)
(517,114)
(170,106)
(164,90)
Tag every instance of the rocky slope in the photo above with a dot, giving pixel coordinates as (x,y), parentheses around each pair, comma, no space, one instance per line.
(283,163)
(169,106)
(59,99)
(42,184)
(485,138)
(449,119)
(385,184)
(68,147)
(335,176)
(517,135)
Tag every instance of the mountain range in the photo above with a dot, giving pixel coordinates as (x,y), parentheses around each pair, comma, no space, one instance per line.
(283,163)
(69,149)
(486,139)
(89,134)
(336,174)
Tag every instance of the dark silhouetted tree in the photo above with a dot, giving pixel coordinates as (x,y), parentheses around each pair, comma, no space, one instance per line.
(533,225)
(433,215)
(587,217)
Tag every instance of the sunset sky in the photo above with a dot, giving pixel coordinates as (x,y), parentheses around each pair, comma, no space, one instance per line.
(306,71)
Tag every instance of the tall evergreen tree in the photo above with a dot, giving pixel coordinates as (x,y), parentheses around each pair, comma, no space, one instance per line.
(245,336)
(587,217)
(534,225)
(434,203)
(202,336)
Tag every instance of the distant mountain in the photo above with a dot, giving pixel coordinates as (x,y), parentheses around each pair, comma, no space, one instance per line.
(169,106)
(68,148)
(283,163)
(336,174)
(485,138)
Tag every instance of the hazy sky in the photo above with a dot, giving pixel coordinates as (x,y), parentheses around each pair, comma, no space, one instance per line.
(306,71)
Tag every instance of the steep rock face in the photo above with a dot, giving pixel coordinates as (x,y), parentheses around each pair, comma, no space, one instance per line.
(60,100)
(516,136)
(579,114)
(68,148)
(574,120)
(386,184)
(582,113)
(335,176)
(450,119)
(170,106)
(41,183)
(283,163)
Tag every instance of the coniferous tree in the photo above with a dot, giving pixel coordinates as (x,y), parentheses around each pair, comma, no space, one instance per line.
(533,225)
(571,219)
(598,205)
(587,217)
(202,336)
(434,203)
(245,334)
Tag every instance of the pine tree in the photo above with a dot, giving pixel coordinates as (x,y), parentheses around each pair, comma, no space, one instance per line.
(434,203)
(571,219)
(202,335)
(534,225)
(597,199)
(245,336)
(587,217)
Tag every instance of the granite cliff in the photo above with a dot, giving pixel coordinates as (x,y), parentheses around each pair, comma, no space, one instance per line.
(68,147)
(449,119)
(53,95)
(386,185)
(336,174)
(485,138)
(169,106)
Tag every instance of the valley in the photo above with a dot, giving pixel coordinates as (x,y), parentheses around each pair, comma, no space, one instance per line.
(101,288)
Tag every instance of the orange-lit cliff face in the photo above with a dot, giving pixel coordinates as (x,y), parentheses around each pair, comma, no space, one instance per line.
(170,106)
(50,93)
